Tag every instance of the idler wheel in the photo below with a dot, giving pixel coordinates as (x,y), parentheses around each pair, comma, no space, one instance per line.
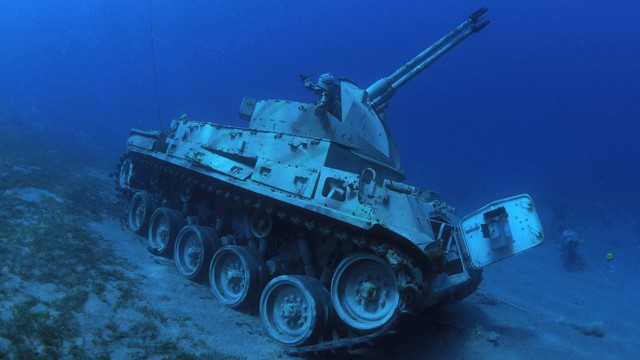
(364,291)
(140,210)
(163,230)
(193,250)
(125,174)
(295,309)
(237,275)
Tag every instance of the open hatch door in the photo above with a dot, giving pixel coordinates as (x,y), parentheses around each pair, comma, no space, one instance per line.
(501,229)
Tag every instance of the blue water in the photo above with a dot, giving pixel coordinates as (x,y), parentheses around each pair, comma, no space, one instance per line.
(544,100)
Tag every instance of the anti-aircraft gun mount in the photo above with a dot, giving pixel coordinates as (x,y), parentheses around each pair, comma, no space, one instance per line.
(380,92)
(304,215)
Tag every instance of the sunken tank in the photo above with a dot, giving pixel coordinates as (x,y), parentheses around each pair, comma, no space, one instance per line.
(303,215)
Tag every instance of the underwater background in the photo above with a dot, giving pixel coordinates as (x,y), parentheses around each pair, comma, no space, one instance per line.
(545,100)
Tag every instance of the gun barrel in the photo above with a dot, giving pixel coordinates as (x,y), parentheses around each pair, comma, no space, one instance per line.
(382,90)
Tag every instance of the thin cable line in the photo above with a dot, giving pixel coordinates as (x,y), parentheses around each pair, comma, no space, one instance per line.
(153,61)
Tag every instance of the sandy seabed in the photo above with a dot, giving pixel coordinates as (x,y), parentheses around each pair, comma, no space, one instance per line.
(76,284)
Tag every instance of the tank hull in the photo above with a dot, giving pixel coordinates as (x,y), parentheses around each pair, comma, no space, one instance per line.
(223,178)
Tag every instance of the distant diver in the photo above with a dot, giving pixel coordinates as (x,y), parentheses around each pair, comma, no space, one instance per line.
(572,258)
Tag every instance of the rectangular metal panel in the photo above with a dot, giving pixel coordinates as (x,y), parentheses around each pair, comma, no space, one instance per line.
(220,164)
(297,180)
(501,229)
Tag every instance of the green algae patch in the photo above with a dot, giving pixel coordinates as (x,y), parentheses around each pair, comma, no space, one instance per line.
(63,291)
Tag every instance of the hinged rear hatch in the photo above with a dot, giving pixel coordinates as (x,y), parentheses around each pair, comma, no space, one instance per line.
(501,229)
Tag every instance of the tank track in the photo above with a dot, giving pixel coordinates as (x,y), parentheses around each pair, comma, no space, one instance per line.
(347,343)
(150,171)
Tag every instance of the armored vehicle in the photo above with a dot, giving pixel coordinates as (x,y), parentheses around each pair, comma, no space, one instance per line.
(303,215)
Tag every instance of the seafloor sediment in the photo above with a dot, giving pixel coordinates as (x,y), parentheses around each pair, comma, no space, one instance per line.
(75,284)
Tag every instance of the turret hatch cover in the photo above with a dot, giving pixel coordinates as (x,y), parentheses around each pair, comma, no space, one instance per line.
(501,229)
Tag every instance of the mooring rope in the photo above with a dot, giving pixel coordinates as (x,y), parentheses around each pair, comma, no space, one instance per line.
(153,62)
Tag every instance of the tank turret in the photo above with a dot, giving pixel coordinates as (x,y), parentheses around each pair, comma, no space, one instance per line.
(350,115)
(303,215)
